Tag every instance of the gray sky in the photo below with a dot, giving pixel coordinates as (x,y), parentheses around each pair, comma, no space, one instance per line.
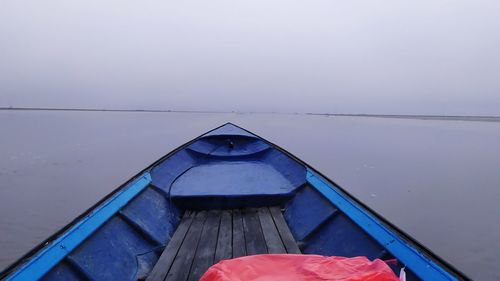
(394,57)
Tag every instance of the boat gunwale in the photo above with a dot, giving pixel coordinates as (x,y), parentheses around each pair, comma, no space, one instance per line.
(402,234)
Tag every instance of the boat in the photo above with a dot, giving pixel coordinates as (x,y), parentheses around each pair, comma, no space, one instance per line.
(225,194)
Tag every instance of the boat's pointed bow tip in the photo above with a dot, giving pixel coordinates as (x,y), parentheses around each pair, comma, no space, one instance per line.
(230,124)
(230,129)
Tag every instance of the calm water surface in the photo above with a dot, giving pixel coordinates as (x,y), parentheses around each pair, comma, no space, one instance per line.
(437,180)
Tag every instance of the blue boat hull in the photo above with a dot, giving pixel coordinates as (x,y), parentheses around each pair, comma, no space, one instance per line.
(122,236)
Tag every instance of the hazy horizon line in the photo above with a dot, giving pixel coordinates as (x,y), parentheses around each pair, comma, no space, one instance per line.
(402,116)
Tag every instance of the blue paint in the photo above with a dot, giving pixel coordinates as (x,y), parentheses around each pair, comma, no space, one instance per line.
(288,167)
(230,130)
(418,263)
(228,146)
(152,212)
(229,168)
(163,174)
(306,212)
(111,253)
(225,168)
(232,178)
(350,240)
(46,259)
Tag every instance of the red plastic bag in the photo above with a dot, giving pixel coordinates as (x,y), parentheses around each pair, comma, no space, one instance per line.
(299,267)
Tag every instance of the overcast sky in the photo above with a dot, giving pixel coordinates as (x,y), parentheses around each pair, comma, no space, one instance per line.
(393,57)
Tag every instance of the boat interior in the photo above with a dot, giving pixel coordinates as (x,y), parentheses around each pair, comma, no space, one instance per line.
(225,194)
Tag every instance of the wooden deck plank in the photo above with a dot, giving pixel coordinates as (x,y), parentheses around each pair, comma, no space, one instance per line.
(254,239)
(225,240)
(271,234)
(284,231)
(239,248)
(204,238)
(184,259)
(166,259)
(205,251)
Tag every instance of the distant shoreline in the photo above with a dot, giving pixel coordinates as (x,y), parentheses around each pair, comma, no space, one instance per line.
(107,110)
(395,116)
(420,117)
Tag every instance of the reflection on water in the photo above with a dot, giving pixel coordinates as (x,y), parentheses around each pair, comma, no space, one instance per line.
(437,180)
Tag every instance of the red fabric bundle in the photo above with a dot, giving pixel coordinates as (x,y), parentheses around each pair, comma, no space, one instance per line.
(284,267)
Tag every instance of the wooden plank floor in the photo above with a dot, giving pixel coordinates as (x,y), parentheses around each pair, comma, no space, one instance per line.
(203,238)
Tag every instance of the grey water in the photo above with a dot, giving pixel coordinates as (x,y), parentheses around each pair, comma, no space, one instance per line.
(437,180)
